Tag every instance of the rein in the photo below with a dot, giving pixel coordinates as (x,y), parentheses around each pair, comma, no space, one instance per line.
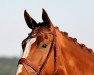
(38,70)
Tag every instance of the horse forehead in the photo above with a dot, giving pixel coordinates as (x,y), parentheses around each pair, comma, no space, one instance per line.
(42,29)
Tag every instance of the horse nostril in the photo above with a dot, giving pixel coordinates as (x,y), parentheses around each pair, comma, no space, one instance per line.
(44,45)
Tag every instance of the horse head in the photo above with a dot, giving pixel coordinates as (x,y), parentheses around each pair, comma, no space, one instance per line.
(37,47)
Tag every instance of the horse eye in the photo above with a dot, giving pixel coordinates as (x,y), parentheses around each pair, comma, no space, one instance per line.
(44,45)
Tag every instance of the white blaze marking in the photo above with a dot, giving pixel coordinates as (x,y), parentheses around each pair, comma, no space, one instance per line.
(26,53)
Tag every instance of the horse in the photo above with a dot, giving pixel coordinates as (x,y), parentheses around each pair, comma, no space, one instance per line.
(49,51)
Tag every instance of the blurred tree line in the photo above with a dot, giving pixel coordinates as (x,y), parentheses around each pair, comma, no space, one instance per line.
(8,66)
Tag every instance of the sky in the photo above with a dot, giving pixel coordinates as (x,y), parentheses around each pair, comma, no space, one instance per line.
(73,16)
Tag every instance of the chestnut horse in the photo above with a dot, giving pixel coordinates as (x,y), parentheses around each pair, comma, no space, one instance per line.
(49,51)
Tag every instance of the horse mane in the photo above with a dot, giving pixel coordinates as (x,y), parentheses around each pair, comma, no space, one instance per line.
(74,40)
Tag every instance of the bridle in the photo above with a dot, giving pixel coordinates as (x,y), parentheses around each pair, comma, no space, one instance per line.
(27,62)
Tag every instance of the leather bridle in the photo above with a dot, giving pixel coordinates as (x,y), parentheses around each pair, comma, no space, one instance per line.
(38,71)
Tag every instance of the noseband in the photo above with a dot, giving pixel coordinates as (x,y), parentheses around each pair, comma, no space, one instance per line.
(34,67)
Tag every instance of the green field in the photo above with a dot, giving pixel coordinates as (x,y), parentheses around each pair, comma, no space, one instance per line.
(8,66)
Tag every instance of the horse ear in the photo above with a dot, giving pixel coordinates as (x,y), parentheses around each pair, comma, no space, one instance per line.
(30,21)
(46,18)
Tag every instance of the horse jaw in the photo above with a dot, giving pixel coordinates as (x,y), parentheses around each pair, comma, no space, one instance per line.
(26,53)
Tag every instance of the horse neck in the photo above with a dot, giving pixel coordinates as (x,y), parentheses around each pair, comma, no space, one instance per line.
(71,53)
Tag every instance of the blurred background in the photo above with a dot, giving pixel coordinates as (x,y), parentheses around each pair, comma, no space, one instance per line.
(73,16)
